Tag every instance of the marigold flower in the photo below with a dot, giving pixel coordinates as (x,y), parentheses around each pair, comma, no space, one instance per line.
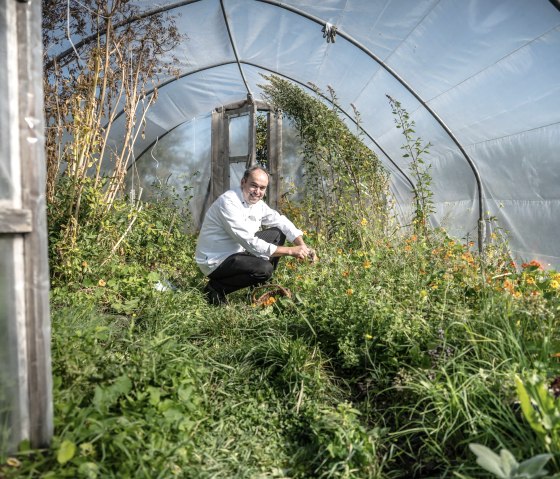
(413,238)
(530,280)
(407,248)
(364,222)
(367,264)
(345,274)
(101,283)
(349,291)
(508,286)
(84,264)
(554,284)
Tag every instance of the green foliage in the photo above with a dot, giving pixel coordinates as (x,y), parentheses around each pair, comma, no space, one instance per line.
(415,151)
(505,465)
(345,182)
(541,409)
(119,258)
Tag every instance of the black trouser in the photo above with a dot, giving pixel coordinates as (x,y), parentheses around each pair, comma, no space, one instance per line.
(241,270)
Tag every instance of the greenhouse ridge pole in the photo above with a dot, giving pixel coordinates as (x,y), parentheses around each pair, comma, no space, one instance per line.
(226,20)
(416,95)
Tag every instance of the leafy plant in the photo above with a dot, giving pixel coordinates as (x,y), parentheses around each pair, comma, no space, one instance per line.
(345,183)
(541,409)
(505,466)
(415,151)
(86,90)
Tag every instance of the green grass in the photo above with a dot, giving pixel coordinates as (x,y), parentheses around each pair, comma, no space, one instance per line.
(387,362)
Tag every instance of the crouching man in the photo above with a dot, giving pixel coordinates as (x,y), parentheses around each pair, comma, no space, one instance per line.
(232,250)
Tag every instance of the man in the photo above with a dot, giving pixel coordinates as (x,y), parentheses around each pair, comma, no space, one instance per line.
(231,251)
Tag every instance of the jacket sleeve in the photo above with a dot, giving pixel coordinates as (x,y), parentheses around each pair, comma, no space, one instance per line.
(274,218)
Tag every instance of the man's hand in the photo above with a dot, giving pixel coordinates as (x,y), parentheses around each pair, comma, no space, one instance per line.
(301,251)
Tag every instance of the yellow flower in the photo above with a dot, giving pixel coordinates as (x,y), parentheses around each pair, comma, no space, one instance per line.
(101,282)
(423,293)
(367,264)
(349,291)
(556,277)
(368,336)
(84,264)
(554,284)
(530,280)
(363,222)
(339,251)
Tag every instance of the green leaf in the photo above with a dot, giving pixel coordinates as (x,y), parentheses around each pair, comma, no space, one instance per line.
(527,407)
(488,459)
(533,467)
(66,451)
(153,276)
(509,464)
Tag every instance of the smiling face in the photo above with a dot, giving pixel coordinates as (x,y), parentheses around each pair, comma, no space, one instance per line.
(254,187)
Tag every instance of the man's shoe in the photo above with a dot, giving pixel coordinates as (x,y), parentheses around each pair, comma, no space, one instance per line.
(213,296)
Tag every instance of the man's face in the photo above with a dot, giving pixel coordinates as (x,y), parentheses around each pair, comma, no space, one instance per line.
(254,187)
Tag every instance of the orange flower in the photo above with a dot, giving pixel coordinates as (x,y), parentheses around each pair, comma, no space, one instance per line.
(345,274)
(349,291)
(533,263)
(508,286)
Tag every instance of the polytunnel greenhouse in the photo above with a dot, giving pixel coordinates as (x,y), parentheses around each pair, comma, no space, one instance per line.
(411,148)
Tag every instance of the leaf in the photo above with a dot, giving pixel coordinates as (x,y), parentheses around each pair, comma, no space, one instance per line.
(153,276)
(488,459)
(106,397)
(533,466)
(66,451)
(527,407)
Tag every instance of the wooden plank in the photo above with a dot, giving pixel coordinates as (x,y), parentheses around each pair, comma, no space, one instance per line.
(13,221)
(274,138)
(32,157)
(252,146)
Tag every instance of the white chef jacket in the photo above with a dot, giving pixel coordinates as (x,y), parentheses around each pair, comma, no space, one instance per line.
(230,225)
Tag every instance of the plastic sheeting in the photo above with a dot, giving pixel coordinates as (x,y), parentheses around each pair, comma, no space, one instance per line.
(480,79)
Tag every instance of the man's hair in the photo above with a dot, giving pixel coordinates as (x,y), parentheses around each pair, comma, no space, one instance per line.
(250,170)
